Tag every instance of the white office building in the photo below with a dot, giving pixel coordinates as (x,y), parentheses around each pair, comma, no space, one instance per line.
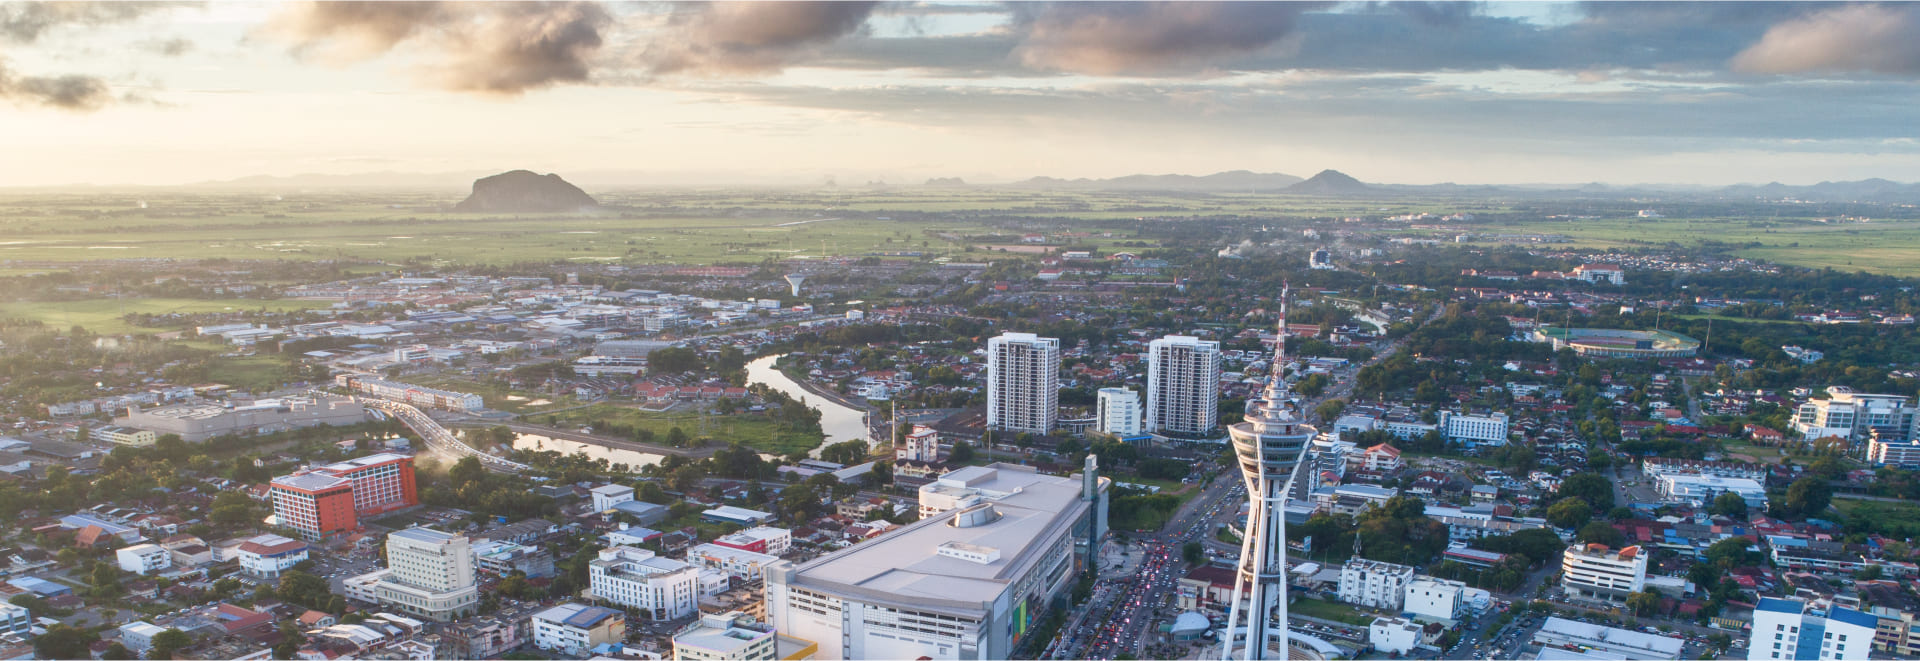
(921,444)
(429,574)
(15,619)
(1614,642)
(665,588)
(573,629)
(1488,429)
(738,563)
(1393,635)
(608,495)
(1787,629)
(732,636)
(1183,385)
(1435,599)
(143,558)
(1850,415)
(1023,383)
(1372,584)
(1700,490)
(1119,413)
(1903,454)
(970,583)
(1596,573)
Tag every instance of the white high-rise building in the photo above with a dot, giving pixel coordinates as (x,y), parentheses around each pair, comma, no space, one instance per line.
(1784,629)
(429,573)
(1119,413)
(1488,429)
(1595,572)
(1850,415)
(634,577)
(1183,385)
(1269,445)
(1373,584)
(1023,383)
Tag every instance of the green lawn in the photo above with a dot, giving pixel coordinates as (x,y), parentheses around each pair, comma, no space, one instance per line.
(1328,610)
(104,316)
(753,430)
(250,373)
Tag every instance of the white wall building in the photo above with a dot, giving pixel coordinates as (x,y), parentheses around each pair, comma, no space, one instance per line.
(1699,490)
(1372,584)
(922,444)
(738,563)
(573,629)
(1119,412)
(1023,383)
(1474,429)
(1393,635)
(1183,385)
(267,556)
(138,636)
(1595,572)
(15,619)
(430,574)
(730,636)
(144,558)
(608,495)
(636,578)
(1785,629)
(1851,415)
(1435,599)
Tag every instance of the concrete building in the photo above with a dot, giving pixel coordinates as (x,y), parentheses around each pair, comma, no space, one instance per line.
(1023,383)
(1394,635)
(267,556)
(574,629)
(1119,412)
(1561,632)
(1901,454)
(1607,273)
(736,636)
(1850,415)
(128,436)
(327,501)
(1382,458)
(738,563)
(138,636)
(1490,429)
(430,574)
(969,583)
(922,444)
(1699,490)
(15,619)
(420,396)
(500,558)
(664,588)
(1788,629)
(196,422)
(607,495)
(1372,584)
(1435,599)
(1183,385)
(1596,573)
(143,559)
(759,539)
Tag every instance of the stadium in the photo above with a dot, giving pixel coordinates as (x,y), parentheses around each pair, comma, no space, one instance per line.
(1619,343)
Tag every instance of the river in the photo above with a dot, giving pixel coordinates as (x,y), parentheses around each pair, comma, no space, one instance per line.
(632,458)
(839,421)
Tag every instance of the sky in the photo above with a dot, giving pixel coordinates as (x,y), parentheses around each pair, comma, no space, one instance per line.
(162,93)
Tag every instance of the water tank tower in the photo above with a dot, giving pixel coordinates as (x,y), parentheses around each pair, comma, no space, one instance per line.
(794,280)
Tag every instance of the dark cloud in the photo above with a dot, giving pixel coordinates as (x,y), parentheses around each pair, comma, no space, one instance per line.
(168,47)
(748,37)
(70,92)
(1848,38)
(26,22)
(503,48)
(1148,37)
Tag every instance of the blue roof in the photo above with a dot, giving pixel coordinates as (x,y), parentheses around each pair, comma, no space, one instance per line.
(590,616)
(1853,617)
(1774,605)
(638,507)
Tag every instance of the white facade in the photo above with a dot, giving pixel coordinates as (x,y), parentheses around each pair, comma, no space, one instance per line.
(1023,383)
(1488,429)
(1700,490)
(1903,454)
(1595,572)
(1784,629)
(1435,599)
(138,636)
(1381,585)
(726,637)
(144,558)
(1119,412)
(269,555)
(922,444)
(430,573)
(606,496)
(1393,635)
(636,578)
(573,629)
(739,563)
(1851,415)
(15,618)
(1183,385)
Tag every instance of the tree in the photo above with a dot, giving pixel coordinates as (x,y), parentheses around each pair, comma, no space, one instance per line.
(845,452)
(1731,552)
(1644,602)
(1330,410)
(1570,513)
(1601,532)
(118,652)
(1729,504)
(1193,552)
(1597,491)
(166,642)
(468,470)
(1807,497)
(64,642)
(962,452)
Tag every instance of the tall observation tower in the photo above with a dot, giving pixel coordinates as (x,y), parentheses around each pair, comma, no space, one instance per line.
(1269,444)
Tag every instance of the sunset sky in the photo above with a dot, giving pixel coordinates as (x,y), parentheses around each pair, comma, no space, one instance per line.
(1715,93)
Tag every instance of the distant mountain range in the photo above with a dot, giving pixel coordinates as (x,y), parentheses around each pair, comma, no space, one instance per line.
(1236,180)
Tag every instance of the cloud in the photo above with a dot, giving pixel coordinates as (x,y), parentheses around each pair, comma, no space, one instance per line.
(749,37)
(174,47)
(69,92)
(1148,37)
(26,22)
(502,48)
(1851,38)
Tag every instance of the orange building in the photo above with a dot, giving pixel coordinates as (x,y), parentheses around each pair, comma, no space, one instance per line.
(327,501)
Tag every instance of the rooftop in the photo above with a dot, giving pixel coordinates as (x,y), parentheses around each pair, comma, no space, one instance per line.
(577,615)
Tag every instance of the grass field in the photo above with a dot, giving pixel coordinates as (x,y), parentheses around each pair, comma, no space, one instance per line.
(249,373)
(1889,518)
(1889,247)
(103,316)
(755,431)
(1327,610)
